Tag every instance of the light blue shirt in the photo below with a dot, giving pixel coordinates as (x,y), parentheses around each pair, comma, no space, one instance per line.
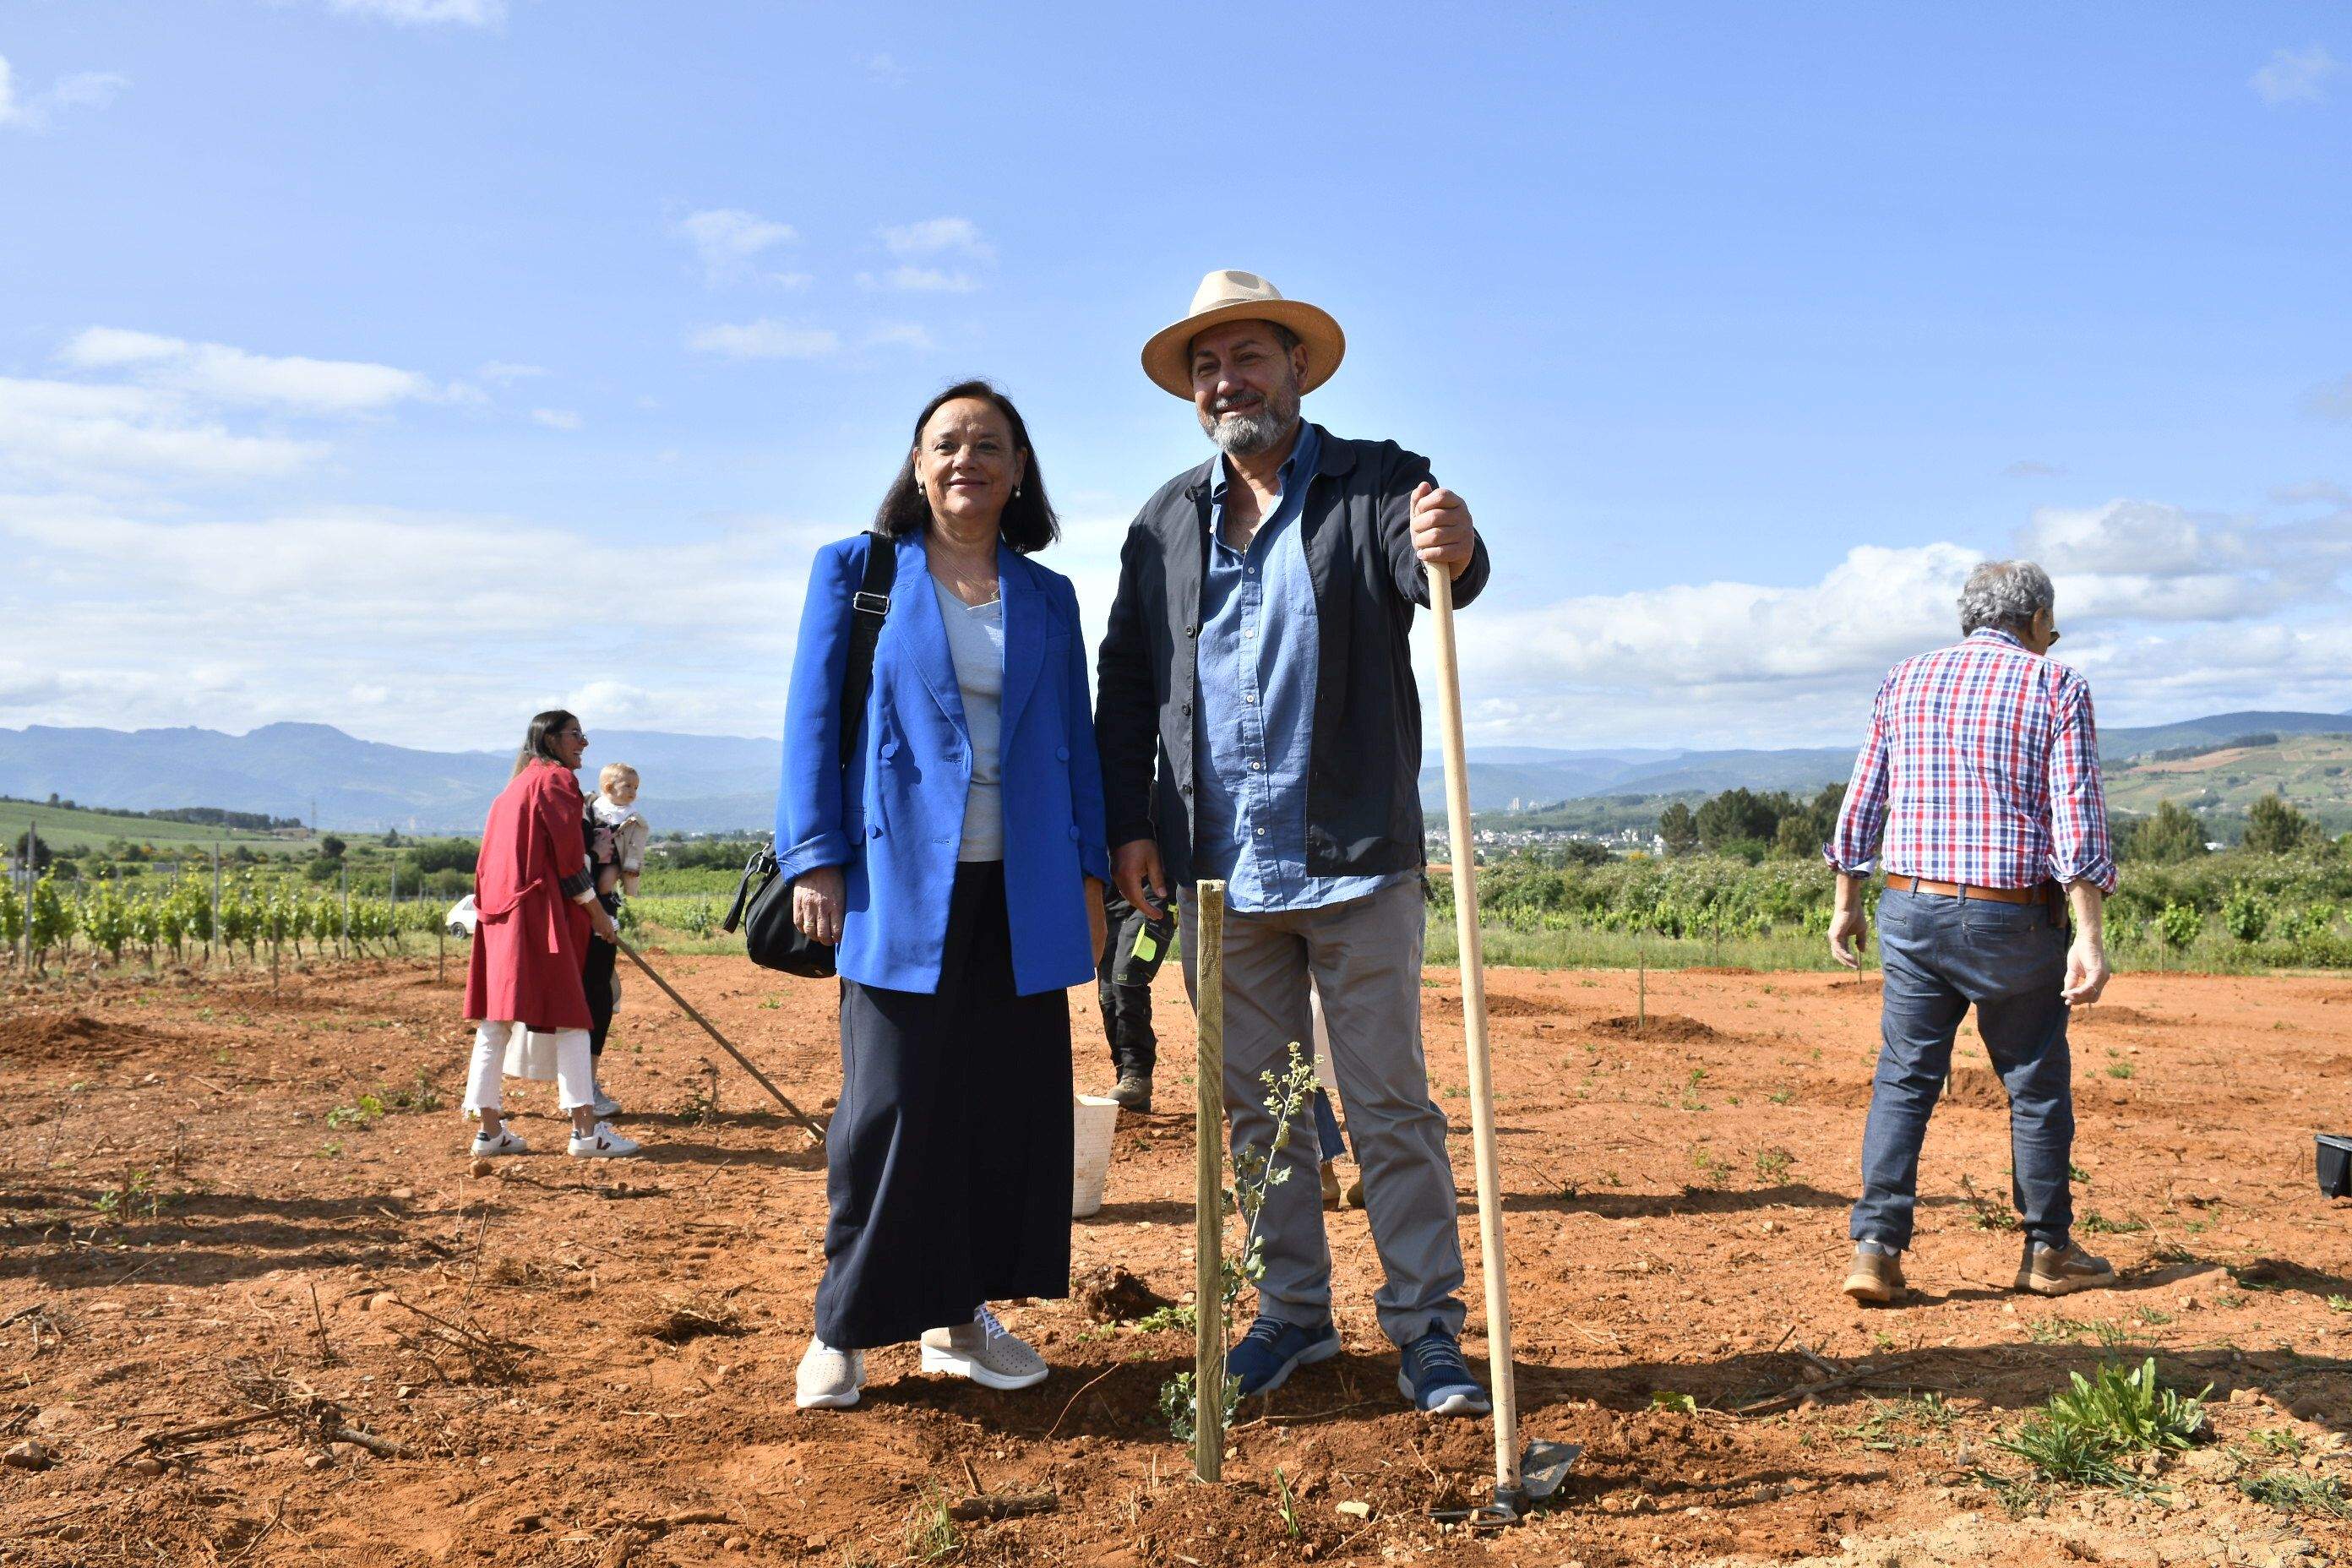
(976,643)
(1254,723)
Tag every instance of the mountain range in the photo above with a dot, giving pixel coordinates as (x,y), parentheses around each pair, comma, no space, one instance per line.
(711,784)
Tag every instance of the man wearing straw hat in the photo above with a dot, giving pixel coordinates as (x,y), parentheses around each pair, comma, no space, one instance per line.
(1259,723)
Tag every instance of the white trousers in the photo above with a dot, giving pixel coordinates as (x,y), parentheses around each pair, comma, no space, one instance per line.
(1325,1077)
(576,1073)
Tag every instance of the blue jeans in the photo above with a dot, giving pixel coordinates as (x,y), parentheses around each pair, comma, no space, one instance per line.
(2009,959)
(1327,1128)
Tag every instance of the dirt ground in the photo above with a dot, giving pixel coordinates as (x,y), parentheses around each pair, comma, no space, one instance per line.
(202,1219)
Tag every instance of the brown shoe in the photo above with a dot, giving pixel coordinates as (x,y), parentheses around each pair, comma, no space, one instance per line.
(2046,1271)
(1133,1092)
(1874,1278)
(1353,1198)
(1331,1187)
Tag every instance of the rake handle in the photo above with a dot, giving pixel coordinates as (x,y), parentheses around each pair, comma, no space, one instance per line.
(742,1060)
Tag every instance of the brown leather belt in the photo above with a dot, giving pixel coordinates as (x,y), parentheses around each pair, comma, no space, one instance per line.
(1971,890)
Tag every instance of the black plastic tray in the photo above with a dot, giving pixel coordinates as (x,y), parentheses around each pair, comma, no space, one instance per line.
(2334,1164)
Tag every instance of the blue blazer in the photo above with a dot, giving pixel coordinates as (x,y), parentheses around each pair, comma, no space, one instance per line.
(895,820)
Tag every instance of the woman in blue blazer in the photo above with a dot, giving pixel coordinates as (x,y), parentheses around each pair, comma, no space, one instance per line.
(958,861)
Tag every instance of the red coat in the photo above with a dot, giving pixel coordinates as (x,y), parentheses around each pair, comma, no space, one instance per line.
(531,940)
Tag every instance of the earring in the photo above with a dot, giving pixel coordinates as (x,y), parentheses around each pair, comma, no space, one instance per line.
(1016,492)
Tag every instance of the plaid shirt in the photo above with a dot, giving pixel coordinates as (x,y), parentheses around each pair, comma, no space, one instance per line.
(1982,766)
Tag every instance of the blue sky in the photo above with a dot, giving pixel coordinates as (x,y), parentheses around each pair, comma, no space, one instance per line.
(410,365)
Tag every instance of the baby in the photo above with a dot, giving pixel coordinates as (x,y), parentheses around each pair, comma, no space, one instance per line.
(614,813)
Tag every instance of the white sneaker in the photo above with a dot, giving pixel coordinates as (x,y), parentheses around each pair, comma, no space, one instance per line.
(508,1141)
(829,1379)
(984,1352)
(603,1143)
(605,1105)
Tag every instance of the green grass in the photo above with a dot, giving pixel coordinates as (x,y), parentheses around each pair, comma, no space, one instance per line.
(72,827)
(1780,949)
(2295,1492)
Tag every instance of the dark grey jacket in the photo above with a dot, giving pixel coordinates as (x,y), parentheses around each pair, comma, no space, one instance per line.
(1363,791)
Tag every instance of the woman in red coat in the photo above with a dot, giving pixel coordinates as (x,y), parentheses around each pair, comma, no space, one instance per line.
(536,898)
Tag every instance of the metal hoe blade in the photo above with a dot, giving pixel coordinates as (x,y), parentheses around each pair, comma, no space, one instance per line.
(1543,1469)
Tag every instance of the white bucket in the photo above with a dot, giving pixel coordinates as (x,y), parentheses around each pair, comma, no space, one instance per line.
(1095,1119)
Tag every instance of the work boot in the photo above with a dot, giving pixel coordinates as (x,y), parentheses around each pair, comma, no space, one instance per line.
(1877,1278)
(1330,1186)
(1133,1090)
(2053,1271)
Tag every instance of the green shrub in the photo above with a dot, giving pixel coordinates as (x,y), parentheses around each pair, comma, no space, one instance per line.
(2245,914)
(2076,1438)
(2178,925)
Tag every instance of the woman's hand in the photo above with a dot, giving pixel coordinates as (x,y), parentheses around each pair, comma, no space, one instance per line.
(818,898)
(1097,922)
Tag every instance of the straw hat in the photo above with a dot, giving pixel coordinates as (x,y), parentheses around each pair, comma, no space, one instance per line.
(1231,296)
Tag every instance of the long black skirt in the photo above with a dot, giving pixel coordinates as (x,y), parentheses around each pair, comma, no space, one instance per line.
(949,1155)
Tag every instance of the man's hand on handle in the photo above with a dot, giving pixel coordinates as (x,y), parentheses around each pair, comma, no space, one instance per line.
(1135,869)
(601,921)
(1441,530)
(819,897)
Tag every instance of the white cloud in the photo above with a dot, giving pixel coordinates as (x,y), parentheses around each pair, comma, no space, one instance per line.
(66,432)
(728,241)
(920,280)
(900,334)
(228,375)
(2149,537)
(933,235)
(766,338)
(2159,605)
(292,621)
(84,89)
(2295,76)
(2330,400)
(427,13)
(886,69)
(556,419)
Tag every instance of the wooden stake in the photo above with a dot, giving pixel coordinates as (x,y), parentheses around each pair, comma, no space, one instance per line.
(1208,1192)
(1473,1039)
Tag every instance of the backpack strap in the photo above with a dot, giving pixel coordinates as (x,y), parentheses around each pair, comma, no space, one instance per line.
(867,606)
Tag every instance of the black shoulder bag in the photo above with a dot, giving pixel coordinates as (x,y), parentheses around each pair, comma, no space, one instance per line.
(763,900)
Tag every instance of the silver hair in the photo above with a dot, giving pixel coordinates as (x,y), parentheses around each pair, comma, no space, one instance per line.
(2005,594)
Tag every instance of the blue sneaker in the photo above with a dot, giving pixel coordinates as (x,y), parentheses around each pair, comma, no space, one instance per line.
(1273,1349)
(1437,1380)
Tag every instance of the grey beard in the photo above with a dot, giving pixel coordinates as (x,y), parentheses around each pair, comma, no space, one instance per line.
(1246,435)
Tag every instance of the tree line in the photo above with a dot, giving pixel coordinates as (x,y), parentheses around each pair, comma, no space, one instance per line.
(1750,826)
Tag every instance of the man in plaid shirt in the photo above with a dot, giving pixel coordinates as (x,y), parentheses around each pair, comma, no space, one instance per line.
(1981,773)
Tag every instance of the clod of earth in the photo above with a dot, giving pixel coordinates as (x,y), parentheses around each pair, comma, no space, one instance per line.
(1109,1294)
